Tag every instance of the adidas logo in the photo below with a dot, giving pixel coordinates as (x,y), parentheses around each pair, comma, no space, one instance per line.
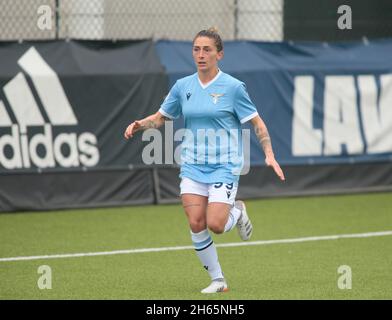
(20,144)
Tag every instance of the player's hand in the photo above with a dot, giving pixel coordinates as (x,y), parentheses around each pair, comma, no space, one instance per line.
(131,129)
(271,162)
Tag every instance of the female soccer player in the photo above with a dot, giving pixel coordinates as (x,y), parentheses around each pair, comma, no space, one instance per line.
(213,101)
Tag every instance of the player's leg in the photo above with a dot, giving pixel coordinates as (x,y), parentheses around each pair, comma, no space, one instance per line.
(218,216)
(195,207)
(224,213)
(194,198)
(222,217)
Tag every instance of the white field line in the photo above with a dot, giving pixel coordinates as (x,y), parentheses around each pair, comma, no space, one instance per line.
(233,244)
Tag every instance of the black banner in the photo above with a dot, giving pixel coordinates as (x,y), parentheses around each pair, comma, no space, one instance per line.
(65,105)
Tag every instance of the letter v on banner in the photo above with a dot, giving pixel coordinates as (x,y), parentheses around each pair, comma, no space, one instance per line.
(376,113)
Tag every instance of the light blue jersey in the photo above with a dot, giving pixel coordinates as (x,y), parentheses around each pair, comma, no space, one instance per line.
(211,149)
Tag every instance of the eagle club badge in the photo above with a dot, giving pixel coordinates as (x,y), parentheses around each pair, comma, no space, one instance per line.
(215,97)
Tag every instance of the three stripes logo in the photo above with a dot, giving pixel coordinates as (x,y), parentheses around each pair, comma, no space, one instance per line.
(20,144)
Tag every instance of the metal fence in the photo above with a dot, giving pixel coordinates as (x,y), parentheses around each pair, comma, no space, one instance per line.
(19,19)
(139,19)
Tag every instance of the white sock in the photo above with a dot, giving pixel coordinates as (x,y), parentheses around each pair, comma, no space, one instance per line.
(234,214)
(206,251)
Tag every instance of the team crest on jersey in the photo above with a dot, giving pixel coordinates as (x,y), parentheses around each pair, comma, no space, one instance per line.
(215,97)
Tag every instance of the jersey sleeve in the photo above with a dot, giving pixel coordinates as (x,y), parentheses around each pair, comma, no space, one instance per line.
(243,105)
(171,106)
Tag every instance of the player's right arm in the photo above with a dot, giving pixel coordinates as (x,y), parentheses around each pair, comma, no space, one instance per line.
(170,109)
(153,121)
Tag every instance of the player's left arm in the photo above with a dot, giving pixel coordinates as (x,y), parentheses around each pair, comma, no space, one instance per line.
(265,141)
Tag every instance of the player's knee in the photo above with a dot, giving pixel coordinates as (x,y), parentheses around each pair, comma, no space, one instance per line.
(216,227)
(197,225)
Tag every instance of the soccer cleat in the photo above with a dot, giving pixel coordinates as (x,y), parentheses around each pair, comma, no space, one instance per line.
(244,225)
(216,286)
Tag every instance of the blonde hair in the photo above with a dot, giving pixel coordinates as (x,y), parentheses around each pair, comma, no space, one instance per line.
(211,33)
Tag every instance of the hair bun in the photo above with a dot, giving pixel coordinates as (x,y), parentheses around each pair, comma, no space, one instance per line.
(213,30)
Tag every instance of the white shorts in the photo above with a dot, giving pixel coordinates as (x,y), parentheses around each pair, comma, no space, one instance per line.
(216,192)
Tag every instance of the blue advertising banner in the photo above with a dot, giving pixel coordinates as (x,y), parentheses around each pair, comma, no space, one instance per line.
(323,103)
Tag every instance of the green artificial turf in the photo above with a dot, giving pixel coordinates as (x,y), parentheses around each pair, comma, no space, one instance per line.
(300,270)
